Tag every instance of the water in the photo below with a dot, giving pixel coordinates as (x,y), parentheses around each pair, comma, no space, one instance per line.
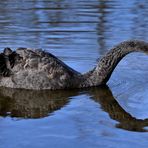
(78,32)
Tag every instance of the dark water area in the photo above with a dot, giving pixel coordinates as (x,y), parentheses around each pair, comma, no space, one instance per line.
(78,32)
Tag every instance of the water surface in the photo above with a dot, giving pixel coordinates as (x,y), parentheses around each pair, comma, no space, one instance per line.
(78,32)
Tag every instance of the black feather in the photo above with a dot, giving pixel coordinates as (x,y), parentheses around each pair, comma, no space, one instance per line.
(4,71)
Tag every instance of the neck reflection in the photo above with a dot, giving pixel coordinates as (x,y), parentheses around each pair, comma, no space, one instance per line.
(108,103)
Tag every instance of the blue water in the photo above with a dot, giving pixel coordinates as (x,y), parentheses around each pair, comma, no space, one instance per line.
(78,32)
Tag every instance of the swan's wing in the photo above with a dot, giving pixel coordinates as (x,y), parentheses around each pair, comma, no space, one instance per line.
(39,58)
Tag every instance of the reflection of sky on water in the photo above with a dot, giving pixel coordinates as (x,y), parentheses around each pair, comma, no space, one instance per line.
(73,30)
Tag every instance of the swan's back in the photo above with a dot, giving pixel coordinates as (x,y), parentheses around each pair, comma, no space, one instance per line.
(38,69)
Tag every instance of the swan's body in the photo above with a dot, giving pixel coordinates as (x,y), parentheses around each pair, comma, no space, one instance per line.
(37,69)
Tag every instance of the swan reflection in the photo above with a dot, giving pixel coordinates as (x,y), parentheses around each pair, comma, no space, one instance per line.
(31,104)
(38,104)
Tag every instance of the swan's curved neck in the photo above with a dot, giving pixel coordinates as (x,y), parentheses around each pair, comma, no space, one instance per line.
(102,72)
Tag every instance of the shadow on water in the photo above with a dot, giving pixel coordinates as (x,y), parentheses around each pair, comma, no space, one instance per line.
(39,104)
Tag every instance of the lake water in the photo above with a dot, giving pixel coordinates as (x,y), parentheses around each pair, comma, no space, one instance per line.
(78,32)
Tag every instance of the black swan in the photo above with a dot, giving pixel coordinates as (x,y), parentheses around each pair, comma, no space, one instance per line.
(37,69)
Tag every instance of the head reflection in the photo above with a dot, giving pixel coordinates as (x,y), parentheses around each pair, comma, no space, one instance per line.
(39,104)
